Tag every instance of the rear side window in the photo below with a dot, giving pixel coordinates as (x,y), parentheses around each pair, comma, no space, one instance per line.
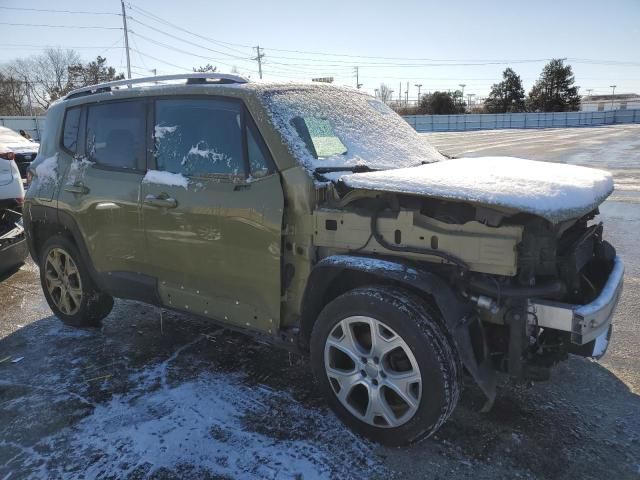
(116,134)
(71,129)
(198,137)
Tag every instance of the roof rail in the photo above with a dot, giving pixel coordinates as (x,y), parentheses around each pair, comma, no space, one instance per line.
(192,78)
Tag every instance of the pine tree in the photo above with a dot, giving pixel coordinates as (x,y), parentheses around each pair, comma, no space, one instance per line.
(506,96)
(555,90)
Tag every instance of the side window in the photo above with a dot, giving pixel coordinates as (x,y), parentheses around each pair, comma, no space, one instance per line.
(116,134)
(198,137)
(71,129)
(258,161)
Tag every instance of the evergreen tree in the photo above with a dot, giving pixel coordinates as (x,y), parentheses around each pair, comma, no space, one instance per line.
(440,103)
(506,96)
(555,90)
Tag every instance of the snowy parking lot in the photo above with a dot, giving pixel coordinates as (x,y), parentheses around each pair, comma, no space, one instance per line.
(165,397)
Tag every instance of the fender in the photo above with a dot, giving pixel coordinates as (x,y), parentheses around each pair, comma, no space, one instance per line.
(458,314)
(131,285)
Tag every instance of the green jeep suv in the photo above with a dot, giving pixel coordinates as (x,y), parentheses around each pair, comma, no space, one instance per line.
(315,217)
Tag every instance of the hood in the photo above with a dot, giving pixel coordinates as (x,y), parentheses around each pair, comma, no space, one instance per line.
(30,147)
(554,191)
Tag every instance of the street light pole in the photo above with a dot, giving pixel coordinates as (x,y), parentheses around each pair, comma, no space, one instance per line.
(418,85)
(613,92)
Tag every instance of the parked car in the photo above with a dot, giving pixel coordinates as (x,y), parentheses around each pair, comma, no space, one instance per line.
(13,246)
(14,146)
(315,217)
(11,189)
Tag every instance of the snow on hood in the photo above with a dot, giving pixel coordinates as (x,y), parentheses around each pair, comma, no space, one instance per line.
(554,191)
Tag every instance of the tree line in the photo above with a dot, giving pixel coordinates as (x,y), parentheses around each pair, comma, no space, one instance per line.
(30,85)
(554,91)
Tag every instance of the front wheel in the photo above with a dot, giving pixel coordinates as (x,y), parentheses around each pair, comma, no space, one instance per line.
(67,286)
(386,365)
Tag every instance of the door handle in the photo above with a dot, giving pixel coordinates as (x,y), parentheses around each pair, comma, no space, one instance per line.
(160,201)
(78,188)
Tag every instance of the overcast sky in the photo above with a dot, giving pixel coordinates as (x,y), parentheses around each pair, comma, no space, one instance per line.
(422,39)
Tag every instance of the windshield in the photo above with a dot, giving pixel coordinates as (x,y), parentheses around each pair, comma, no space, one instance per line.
(332,127)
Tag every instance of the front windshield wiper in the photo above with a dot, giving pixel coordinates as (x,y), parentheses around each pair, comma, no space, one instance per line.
(345,168)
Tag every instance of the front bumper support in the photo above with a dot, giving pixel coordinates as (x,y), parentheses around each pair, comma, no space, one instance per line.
(586,323)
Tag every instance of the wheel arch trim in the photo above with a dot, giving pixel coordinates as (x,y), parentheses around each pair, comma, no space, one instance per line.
(455,310)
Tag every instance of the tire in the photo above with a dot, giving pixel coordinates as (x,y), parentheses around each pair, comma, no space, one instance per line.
(83,305)
(410,383)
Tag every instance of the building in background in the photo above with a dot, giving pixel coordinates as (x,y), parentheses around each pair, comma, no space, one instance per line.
(600,103)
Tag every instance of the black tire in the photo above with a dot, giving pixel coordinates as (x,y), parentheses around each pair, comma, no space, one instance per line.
(420,326)
(94,305)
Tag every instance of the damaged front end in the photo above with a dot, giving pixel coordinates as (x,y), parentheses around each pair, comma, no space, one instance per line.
(522,292)
(13,247)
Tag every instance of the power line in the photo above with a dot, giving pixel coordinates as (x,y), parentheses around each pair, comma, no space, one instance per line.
(58,26)
(158,19)
(51,10)
(186,41)
(179,50)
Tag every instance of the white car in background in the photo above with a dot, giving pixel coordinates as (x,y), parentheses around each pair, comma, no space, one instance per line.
(16,154)
(11,189)
(21,150)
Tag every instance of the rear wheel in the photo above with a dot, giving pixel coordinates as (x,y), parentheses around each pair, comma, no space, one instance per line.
(385,364)
(67,286)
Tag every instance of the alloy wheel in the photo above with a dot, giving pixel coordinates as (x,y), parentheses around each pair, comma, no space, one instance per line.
(373,372)
(63,281)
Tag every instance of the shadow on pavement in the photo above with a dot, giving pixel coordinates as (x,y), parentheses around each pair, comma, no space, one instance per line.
(141,399)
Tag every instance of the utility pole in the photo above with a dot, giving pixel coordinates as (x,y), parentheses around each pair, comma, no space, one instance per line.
(462,85)
(613,92)
(126,39)
(259,58)
(35,120)
(357,72)
(400,94)
(418,85)
(406,93)
(589,90)
(469,95)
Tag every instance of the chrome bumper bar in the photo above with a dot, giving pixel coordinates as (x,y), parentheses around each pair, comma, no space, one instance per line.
(585,322)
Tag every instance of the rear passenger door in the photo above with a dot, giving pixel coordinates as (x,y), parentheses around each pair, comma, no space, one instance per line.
(213,212)
(105,143)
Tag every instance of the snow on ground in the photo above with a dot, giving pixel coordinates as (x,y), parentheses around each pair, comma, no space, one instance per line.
(178,416)
(554,191)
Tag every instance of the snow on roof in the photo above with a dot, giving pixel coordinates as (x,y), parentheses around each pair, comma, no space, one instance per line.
(553,191)
(373,134)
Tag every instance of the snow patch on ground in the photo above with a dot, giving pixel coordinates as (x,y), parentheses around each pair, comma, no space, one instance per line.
(158,177)
(553,191)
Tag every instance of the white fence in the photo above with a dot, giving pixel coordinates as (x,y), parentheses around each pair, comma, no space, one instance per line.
(32,125)
(486,121)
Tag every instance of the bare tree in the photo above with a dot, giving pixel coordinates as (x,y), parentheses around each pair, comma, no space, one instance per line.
(46,74)
(12,96)
(384,93)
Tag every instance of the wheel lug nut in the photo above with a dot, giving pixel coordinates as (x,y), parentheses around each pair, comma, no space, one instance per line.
(363,373)
(375,382)
(376,360)
(364,359)
(383,375)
